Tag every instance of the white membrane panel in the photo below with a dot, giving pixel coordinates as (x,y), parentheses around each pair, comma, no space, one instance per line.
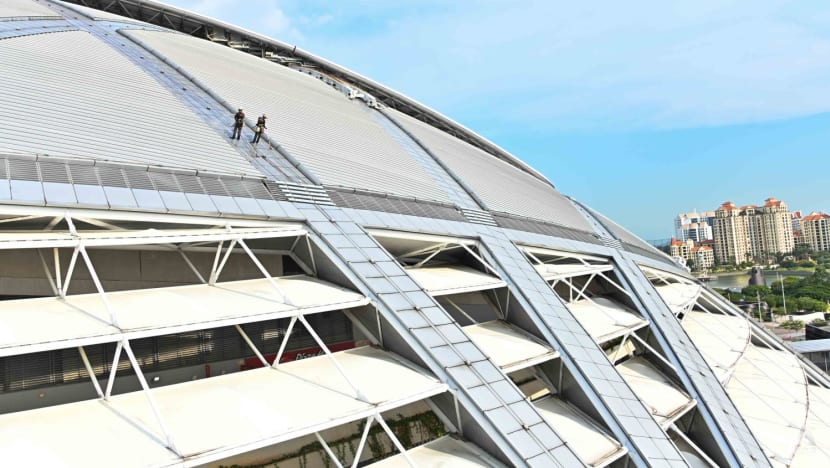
(31,325)
(444,280)
(585,437)
(605,319)
(769,389)
(658,393)
(508,346)
(218,417)
(53,239)
(721,339)
(555,271)
(679,296)
(446,452)
(815,446)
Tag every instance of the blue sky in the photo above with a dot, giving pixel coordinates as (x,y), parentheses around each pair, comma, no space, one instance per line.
(641,109)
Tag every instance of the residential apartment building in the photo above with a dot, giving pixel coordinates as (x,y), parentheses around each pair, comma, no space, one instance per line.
(752,232)
(695,226)
(776,227)
(704,257)
(816,229)
(682,248)
(730,229)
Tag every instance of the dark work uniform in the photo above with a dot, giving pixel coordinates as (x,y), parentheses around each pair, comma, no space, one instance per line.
(238,122)
(260,129)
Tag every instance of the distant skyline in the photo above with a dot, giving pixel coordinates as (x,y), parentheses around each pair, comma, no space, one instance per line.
(642,110)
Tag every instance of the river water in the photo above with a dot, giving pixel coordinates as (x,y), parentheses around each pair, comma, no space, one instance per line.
(741,279)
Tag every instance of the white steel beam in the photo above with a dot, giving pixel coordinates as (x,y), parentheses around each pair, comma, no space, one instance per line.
(328,450)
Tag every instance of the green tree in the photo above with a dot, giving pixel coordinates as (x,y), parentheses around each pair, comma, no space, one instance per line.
(690,262)
(751,292)
(793,324)
(802,251)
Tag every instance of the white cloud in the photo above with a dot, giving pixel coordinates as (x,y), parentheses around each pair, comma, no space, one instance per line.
(619,64)
(561,64)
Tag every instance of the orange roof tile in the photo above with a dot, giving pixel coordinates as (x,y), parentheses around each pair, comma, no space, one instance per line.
(815,216)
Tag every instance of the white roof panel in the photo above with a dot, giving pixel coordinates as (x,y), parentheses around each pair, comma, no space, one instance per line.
(658,393)
(51,239)
(555,271)
(605,319)
(679,296)
(455,279)
(254,409)
(508,346)
(584,436)
(69,90)
(445,452)
(24,9)
(721,339)
(339,139)
(488,176)
(31,325)
(769,389)
(811,346)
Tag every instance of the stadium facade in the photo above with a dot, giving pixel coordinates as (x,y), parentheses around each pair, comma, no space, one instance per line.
(372,283)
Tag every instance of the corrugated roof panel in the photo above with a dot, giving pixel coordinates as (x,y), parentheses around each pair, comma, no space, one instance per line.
(71,95)
(24,9)
(488,176)
(333,136)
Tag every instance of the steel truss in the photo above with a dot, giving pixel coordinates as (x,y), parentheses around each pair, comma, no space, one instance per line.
(183,241)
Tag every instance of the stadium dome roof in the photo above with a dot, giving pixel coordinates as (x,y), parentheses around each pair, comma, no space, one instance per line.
(371,282)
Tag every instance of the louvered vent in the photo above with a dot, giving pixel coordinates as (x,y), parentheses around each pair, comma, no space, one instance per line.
(479,217)
(139,179)
(23,169)
(302,193)
(362,201)
(214,187)
(54,172)
(88,175)
(548,229)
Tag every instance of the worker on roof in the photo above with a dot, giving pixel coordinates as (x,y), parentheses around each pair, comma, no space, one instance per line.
(260,128)
(238,122)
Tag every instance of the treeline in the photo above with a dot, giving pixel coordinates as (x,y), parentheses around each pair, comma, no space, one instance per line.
(807,294)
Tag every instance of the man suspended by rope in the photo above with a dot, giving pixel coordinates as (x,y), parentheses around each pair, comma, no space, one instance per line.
(238,122)
(260,128)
